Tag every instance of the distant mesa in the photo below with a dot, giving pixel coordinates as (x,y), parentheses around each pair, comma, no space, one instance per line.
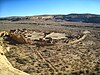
(42,17)
(85,18)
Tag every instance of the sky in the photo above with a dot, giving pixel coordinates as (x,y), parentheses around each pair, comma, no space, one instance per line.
(45,7)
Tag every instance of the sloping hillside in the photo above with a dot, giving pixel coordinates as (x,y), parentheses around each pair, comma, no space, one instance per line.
(87,18)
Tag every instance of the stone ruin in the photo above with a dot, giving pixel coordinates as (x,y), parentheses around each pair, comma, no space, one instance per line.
(23,36)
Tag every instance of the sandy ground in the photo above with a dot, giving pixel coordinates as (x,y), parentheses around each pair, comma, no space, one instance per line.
(60,58)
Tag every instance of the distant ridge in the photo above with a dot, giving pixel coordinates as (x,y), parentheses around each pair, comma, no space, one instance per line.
(86,18)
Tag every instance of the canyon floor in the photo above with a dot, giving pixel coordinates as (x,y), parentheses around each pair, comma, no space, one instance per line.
(52,48)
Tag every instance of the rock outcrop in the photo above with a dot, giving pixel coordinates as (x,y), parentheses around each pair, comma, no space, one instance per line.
(6,68)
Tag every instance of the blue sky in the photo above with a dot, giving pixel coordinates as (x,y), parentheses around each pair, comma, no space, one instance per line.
(41,7)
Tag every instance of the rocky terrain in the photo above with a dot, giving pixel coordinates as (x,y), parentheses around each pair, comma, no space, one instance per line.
(49,47)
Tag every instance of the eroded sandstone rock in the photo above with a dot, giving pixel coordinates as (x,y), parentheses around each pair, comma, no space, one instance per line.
(5,66)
